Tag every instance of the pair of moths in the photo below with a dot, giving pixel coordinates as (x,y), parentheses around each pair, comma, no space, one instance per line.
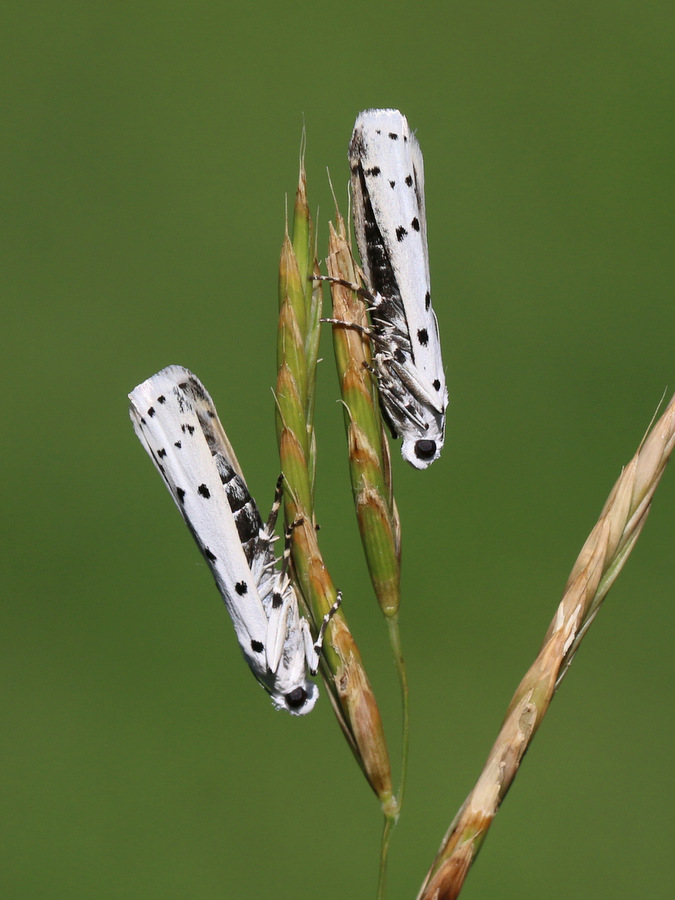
(387,178)
(176,421)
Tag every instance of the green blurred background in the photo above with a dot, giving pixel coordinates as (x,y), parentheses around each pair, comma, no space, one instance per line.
(147,151)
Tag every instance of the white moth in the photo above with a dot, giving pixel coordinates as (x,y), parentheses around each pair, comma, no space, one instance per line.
(387,176)
(176,421)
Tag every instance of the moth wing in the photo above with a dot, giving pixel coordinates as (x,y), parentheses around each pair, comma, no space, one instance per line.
(206,412)
(388,176)
(167,414)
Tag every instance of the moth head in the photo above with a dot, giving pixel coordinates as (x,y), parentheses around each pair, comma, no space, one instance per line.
(299,700)
(422,452)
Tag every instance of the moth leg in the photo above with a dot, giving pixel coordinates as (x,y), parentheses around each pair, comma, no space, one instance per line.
(284,604)
(362,329)
(362,292)
(326,619)
(312,649)
(288,547)
(277,628)
(276,506)
(398,407)
(272,521)
(284,601)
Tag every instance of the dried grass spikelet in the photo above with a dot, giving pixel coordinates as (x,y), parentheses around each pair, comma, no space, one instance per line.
(297,353)
(369,458)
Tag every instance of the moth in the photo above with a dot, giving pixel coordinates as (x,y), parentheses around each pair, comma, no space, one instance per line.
(387,182)
(176,422)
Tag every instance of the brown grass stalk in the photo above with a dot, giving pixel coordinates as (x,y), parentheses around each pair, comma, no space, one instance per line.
(599,563)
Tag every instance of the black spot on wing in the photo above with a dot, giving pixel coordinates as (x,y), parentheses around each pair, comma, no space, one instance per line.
(209,555)
(393,136)
(257,647)
(436,383)
(180,493)
(177,444)
(399,355)
(400,233)
(204,491)
(161,453)
(161,399)
(423,336)
(374,172)
(241,588)
(427,301)
(415,224)
(408,180)
(277,600)
(151,411)
(392,185)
